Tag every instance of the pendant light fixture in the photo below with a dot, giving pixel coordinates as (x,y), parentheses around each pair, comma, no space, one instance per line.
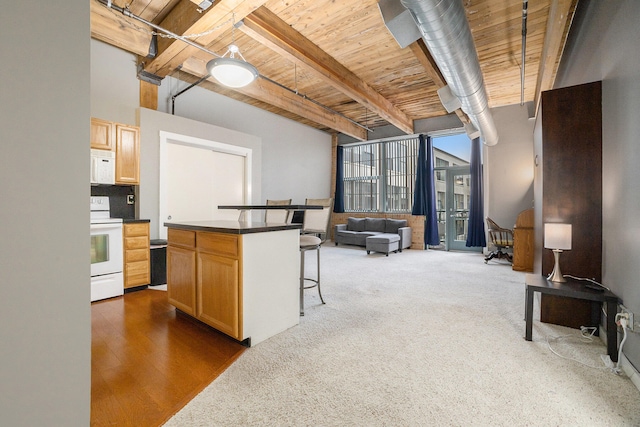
(231,71)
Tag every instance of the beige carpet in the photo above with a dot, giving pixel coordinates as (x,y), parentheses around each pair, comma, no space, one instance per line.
(420,338)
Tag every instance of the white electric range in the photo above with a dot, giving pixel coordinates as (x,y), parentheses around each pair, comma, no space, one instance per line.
(107,280)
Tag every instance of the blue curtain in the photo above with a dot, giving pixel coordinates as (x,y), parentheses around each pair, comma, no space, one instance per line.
(338,203)
(424,196)
(475,234)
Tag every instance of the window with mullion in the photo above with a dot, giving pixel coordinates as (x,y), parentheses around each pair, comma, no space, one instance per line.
(380,176)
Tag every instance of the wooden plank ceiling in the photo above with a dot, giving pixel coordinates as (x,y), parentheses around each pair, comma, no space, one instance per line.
(334,65)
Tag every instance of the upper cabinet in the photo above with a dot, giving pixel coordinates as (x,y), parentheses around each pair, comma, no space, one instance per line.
(127,154)
(102,134)
(125,141)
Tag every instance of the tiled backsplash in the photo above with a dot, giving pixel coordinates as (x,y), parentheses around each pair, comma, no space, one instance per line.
(118,196)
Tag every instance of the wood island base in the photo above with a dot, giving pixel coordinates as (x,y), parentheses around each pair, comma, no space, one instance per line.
(239,278)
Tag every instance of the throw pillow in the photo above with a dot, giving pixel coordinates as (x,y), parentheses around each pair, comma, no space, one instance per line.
(355,224)
(392,225)
(375,224)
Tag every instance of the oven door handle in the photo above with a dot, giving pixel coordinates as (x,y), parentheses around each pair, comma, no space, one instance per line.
(105,226)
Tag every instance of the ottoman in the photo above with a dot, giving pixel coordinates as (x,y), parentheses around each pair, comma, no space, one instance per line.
(384,243)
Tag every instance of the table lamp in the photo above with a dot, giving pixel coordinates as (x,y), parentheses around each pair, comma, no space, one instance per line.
(557,237)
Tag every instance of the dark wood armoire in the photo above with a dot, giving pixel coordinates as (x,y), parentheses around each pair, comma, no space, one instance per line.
(568,189)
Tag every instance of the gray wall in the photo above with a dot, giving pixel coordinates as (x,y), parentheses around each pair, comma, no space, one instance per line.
(45,321)
(509,166)
(115,88)
(604,46)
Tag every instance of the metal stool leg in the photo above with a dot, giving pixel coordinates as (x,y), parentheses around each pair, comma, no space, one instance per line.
(302,278)
(318,282)
(302,252)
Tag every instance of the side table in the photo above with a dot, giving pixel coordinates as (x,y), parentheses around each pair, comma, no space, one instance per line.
(578,289)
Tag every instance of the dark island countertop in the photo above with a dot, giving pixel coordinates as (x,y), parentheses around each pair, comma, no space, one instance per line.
(231,227)
(133,221)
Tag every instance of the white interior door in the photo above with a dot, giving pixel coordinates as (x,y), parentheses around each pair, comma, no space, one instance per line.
(197,177)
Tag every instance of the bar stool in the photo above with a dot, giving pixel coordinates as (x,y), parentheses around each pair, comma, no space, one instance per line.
(315,224)
(309,243)
(277,215)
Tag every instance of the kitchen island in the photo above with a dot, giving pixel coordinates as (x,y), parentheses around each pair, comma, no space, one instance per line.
(240,278)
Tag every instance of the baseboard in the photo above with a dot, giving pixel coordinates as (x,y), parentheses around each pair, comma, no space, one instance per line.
(630,371)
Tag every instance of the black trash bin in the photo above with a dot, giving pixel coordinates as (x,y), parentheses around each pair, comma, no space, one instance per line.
(158,262)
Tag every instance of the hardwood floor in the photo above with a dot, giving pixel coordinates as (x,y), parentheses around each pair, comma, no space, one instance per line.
(147,361)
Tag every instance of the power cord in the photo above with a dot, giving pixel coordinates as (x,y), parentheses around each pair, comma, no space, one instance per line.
(586,335)
(622,319)
(586,279)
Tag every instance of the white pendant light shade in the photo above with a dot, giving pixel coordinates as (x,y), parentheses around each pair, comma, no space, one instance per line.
(232,72)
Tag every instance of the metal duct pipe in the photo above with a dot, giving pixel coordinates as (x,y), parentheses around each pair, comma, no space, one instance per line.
(445,30)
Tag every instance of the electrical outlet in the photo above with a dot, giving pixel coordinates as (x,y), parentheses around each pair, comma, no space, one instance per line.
(632,325)
(130,199)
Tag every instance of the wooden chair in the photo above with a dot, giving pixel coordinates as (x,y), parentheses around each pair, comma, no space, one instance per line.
(502,239)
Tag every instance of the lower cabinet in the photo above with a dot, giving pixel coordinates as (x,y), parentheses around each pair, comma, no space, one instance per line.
(137,267)
(181,277)
(203,277)
(245,285)
(218,296)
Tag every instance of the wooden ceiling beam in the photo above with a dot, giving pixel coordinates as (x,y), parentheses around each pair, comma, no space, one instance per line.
(559,20)
(422,54)
(271,93)
(184,20)
(265,27)
(113,28)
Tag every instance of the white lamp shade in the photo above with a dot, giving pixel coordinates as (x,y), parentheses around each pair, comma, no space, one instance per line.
(557,236)
(232,72)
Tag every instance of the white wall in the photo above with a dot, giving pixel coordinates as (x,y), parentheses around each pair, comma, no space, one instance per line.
(605,47)
(45,321)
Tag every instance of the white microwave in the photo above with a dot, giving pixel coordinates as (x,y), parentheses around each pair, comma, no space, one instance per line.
(103,167)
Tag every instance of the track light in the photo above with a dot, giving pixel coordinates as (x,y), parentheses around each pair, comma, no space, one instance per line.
(471,130)
(449,100)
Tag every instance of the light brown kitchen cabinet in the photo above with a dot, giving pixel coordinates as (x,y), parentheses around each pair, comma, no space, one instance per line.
(243,280)
(181,270)
(102,134)
(203,274)
(137,270)
(218,282)
(125,141)
(127,154)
